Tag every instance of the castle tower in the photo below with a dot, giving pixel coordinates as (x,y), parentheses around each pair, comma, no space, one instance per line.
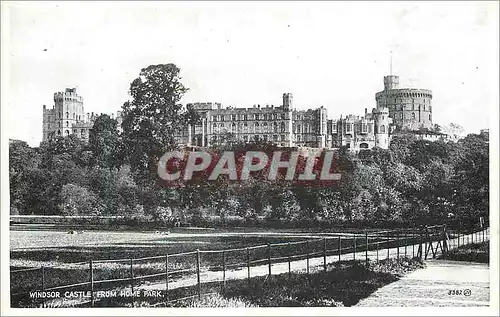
(410,108)
(391,82)
(68,110)
(288,101)
(382,123)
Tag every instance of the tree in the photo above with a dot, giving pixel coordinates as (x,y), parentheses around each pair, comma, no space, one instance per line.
(77,200)
(153,117)
(105,143)
(470,181)
(22,160)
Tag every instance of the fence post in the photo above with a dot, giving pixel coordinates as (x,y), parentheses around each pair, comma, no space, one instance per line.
(289,267)
(132,274)
(340,247)
(269,258)
(132,281)
(223,271)
(354,254)
(412,244)
(198,260)
(366,249)
(248,263)
(406,242)
(43,278)
(397,246)
(166,278)
(420,247)
(388,250)
(91,271)
(307,256)
(324,254)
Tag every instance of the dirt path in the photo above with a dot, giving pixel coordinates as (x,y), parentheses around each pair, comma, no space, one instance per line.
(441,283)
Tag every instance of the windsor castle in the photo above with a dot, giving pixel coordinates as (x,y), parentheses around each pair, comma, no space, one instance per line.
(397,109)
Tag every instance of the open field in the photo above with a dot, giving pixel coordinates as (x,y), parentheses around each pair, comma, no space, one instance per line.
(115,255)
(65,257)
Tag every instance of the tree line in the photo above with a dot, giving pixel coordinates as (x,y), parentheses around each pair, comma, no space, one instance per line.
(115,174)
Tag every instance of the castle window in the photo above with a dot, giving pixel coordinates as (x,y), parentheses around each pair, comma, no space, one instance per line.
(67,123)
(234,125)
(58,132)
(275,138)
(282,137)
(214,118)
(382,129)
(429,117)
(245,118)
(82,133)
(67,115)
(283,116)
(413,115)
(233,117)
(245,138)
(299,138)
(256,124)
(67,132)
(363,128)
(348,127)
(74,116)
(282,127)
(245,124)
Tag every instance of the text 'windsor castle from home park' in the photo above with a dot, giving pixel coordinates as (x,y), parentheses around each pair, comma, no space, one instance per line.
(397,109)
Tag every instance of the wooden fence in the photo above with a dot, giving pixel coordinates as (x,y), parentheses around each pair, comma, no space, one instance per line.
(374,246)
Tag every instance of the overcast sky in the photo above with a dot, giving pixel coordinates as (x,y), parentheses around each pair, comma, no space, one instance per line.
(333,54)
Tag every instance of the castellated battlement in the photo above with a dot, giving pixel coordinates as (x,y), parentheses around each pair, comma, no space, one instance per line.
(68,95)
(404,93)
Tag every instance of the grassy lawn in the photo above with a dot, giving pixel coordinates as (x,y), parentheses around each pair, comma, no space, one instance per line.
(59,250)
(477,252)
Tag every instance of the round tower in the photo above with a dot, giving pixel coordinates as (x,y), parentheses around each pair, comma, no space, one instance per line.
(409,108)
(382,124)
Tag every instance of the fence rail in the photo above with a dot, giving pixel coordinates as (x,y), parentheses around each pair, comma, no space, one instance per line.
(368,246)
